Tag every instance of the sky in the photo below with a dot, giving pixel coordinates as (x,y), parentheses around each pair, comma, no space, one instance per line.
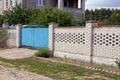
(92,4)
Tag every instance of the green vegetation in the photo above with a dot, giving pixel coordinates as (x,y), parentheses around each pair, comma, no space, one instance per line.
(21,15)
(44,53)
(1,20)
(59,71)
(105,16)
(118,63)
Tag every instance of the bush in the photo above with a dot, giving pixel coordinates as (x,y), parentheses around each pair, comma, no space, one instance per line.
(118,63)
(17,15)
(21,15)
(1,20)
(47,15)
(43,53)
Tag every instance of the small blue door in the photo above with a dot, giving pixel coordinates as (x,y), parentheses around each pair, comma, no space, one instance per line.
(34,37)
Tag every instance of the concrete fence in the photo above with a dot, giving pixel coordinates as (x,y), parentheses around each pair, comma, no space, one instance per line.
(91,43)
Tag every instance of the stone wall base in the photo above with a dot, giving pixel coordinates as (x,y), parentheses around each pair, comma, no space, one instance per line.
(98,60)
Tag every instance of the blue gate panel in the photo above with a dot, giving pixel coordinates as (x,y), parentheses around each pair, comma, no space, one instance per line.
(35,37)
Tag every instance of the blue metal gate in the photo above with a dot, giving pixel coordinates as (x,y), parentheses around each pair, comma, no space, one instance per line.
(34,37)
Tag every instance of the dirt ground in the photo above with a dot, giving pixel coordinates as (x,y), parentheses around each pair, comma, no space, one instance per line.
(17,53)
(11,73)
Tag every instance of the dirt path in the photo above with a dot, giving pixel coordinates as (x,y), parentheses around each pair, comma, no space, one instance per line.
(10,73)
(17,53)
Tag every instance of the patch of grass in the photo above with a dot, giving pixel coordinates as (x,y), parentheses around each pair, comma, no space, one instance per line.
(44,52)
(55,70)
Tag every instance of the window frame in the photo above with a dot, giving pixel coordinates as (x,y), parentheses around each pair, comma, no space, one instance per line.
(39,2)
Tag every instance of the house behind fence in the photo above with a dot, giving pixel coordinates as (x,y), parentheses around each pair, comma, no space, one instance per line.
(91,43)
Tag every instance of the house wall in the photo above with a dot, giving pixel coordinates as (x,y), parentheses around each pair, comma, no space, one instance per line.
(32,3)
(4,7)
(78,13)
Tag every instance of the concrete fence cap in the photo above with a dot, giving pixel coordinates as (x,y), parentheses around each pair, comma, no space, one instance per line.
(90,21)
(19,25)
(52,23)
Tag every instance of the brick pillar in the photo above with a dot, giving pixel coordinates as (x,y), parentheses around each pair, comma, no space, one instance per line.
(90,32)
(52,27)
(60,4)
(18,35)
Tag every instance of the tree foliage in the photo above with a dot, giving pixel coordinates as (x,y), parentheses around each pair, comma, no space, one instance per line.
(106,16)
(16,15)
(21,15)
(44,16)
(1,20)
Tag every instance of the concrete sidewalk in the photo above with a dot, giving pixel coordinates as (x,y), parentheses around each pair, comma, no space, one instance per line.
(17,53)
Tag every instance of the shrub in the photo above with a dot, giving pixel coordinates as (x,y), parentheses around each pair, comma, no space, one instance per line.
(43,53)
(47,15)
(1,20)
(17,15)
(21,15)
(118,63)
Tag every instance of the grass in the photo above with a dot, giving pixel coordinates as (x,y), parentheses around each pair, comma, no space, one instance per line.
(59,71)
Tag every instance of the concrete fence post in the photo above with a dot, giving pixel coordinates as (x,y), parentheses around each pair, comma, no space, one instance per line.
(18,35)
(90,27)
(52,27)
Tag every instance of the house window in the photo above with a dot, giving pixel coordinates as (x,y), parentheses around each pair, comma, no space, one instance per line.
(6,2)
(39,2)
(66,3)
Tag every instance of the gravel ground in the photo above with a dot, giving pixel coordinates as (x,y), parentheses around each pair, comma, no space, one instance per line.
(10,73)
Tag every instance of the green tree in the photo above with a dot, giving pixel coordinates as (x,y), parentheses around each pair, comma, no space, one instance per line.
(17,15)
(21,15)
(44,16)
(1,20)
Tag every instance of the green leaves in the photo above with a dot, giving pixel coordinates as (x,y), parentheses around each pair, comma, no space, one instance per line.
(45,16)
(44,53)
(107,16)
(1,20)
(118,63)
(21,15)
(17,15)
